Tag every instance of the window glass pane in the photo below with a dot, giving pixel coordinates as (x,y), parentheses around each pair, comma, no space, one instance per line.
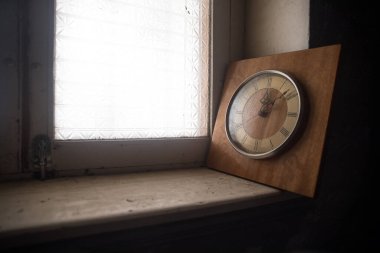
(130,69)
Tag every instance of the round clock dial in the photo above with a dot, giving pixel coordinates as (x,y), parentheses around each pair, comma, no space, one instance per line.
(264,114)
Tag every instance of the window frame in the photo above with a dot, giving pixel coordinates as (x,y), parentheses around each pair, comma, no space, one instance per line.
(126,153)
(116,154)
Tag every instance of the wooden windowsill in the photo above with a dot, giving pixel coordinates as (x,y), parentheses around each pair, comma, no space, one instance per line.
(76,206)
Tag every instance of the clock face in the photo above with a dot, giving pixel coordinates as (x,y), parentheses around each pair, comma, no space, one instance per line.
(264,114)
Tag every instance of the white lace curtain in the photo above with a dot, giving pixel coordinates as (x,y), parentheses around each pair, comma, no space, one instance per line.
(130,69)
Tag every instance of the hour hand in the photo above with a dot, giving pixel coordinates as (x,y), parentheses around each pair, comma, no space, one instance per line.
(265,100)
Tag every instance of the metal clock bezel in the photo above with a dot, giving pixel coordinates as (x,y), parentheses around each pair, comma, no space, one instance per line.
(295,133)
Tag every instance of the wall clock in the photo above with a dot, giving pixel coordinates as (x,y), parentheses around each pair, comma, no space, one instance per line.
(265,114)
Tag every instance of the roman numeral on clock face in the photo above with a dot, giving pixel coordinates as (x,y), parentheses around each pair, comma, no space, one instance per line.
(244,139)
(291,95)
(292,114)
(269,82)
(284,131)
(256,146)
(282,85)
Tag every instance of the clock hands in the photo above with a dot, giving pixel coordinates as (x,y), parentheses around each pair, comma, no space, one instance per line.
(266,98)
(281,96)
(267,103)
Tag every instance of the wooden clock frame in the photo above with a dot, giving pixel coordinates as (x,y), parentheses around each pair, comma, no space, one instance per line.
(295,170)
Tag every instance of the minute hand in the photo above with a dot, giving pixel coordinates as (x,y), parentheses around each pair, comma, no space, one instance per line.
(282,95)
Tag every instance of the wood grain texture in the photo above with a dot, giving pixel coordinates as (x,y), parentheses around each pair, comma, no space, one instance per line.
(295,170)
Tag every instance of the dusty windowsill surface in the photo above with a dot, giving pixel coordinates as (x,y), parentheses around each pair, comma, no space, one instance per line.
(74,206)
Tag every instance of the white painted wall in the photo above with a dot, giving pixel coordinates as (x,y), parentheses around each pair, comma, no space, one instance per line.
(276,26)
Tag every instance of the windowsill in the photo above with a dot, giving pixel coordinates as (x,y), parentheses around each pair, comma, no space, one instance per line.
(32,211)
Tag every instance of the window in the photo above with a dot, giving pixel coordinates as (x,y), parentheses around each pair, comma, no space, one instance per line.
(121,68)
(131,69)
(73,153)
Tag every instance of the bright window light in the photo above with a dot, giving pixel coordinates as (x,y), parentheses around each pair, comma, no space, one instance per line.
(130,69)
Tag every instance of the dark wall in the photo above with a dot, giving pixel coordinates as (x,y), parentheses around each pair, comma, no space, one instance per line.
(344,215)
